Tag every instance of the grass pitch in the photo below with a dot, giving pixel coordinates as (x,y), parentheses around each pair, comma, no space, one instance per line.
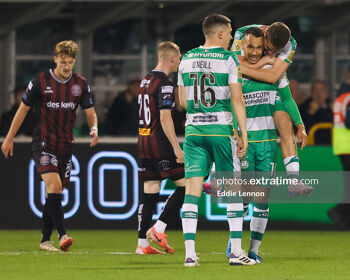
(110,255)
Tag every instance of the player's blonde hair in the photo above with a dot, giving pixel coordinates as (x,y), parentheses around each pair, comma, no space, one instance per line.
(67,48)
(166,47)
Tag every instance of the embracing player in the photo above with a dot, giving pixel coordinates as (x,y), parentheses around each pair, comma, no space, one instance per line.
(261,156)
(278,40)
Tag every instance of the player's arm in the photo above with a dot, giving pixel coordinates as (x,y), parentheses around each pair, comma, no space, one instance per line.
(182,90)
(182,97)
(168,127)
(87,104)
(293,111)
(166,101)
(234,81)
(240,113)
(7,146)
(265,60)
(92,121)
(271,75)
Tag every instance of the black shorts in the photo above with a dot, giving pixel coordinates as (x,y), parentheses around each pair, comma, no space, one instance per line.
(47,161)
(160,169)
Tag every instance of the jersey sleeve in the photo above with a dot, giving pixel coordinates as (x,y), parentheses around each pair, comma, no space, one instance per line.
(237,42)
(32,93)
(234,73)
(166,96)
(288,51)
(88,100)
(283,81)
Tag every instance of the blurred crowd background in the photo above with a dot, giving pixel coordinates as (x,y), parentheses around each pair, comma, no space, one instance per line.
(118,40)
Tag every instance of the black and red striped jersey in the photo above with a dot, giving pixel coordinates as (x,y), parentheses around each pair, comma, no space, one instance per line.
(156,93)
(54,104)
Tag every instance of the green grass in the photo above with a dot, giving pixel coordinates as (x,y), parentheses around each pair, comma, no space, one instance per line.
(110,255)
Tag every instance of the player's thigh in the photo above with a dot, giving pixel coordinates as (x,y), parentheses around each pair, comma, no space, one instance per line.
(283,123)
(53,182)
(151,186)
(180,183)
(224,151)
(266,157)
(197,158)
(248,162)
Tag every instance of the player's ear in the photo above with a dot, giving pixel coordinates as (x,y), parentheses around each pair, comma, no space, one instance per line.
(219,34)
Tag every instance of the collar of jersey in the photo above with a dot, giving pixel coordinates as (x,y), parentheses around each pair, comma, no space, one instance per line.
(57,79)
(216,47)
(154,70)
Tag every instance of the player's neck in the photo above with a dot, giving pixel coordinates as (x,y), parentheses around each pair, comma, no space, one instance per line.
(209,43)
(58,75)
(163,67)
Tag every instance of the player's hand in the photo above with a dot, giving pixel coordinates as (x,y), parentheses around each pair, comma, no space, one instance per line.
(239,141)
(7,148)
(179,155)
(94,135)
(302,136)
(242,146)
(268,59)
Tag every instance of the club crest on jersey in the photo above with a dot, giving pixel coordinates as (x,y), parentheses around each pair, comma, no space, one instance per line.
(76,90)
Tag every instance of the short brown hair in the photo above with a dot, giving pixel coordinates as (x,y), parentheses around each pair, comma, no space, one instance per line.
(278,34)
(68,48)
(212,21)
(167,46)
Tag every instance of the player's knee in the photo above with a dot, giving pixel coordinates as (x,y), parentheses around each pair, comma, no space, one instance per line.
(54,188)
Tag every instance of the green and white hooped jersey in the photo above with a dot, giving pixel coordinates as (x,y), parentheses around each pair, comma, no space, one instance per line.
(259,99)
(206,74)
(286,54)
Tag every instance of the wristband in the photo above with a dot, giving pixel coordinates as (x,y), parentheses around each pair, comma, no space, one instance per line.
(94,128)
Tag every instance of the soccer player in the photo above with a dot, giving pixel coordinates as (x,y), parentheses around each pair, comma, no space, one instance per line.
(261,154)
(55,96)
(278,40)
(160,155)
(209,83)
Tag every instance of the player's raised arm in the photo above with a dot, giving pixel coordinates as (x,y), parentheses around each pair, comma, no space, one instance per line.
(7,146)
(271,75)
(92,123)
(277,40)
